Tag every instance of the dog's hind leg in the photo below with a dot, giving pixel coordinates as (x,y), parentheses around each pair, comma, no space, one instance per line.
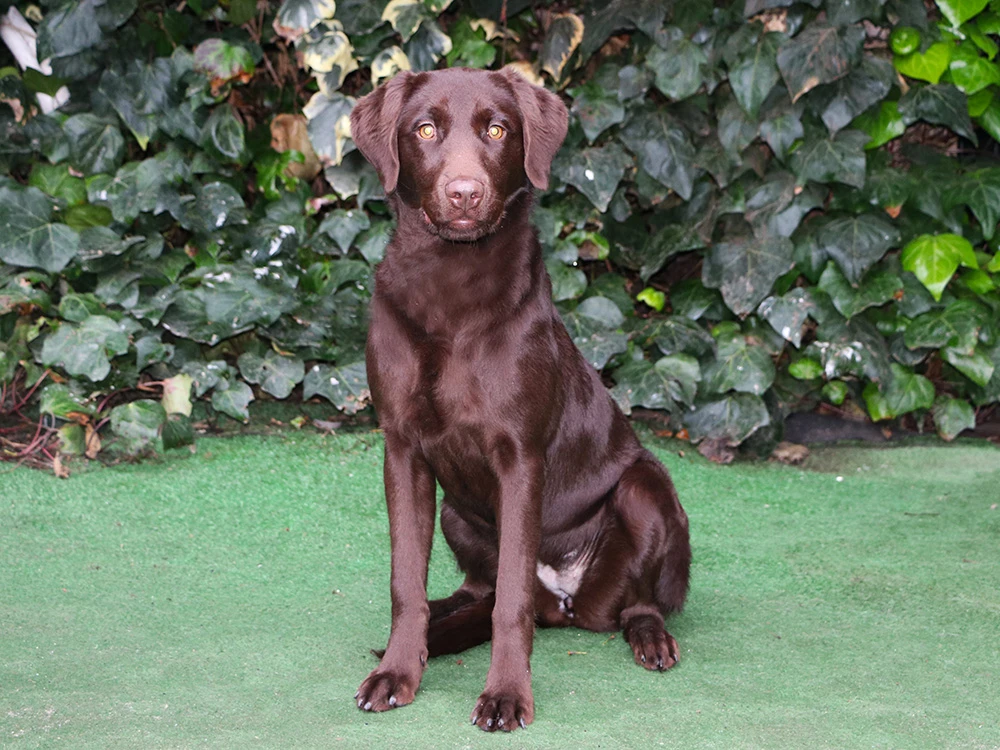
(641,570)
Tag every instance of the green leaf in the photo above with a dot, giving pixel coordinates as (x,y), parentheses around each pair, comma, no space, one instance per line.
(85,349)
(756,73)
(595,172)
(329,125)
(597,109)
(470,48)
(876,288)
(652,297)
(663,150)
(976,366)
(56,180)
(177,432)
(835,392)
(343,226)
(942,104)
(732,418)
(957,326)
(876,403)
(692,299)
(746,269)
(882,124)
(840,159)
(678,68)
(857,242)
(818,54)
(69,30)
(906,391)
(739,366)
(970,71)
(137,424)
(675,334)
(567,282)
(95,144)
(657,386)
(296,17)
(805,369)
(28,236)
(952,416)
(225,132)
(959,11)
(934,259)
(928,65)
(233,397)
(980,191)
(62,401)
(863,87)
(345,387)
(223,62)
(788,313)
(274,373)
(593,326)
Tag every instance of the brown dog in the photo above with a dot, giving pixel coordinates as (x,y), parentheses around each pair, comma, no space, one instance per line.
(554,510)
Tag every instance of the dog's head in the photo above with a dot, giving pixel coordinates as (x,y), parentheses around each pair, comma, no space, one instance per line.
(458,144)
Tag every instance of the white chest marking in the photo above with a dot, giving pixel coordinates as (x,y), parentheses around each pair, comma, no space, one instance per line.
(564,582)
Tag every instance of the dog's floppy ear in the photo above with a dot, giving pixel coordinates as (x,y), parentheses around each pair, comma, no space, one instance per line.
(544,121)
(373,128)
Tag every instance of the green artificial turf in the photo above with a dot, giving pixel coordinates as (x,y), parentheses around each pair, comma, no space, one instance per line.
(229,599)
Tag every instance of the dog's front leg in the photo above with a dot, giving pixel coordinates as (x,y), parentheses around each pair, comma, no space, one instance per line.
(409,495)
(507,701)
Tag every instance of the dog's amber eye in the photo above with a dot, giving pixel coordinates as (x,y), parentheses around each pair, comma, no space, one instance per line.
(426,132)
(495,132)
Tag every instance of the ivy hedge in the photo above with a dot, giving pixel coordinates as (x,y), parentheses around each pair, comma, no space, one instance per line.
(761,206)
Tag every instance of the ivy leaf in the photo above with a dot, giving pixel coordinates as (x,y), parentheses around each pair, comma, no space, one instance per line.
(788,313)
(296,17)
(970,71)
(595,172)
(942,104)
(95,144)
(732,418)
(877,288)
(597,109)
(657,386)
(663,149)
(345,387)
(782,131)
(928,65)
(738,366)
(593,326)
(818,54)
(223,63)
(863,87)
(563,36)
(85,349)
(678,68)
(746,269)
(63,401)
(137,424)
(225,132)
(343,226)
(567,282)
(177,431)
(756,73)
(856,242)
(233,397)
(55,180)
(28,236)
(69,30)
(959,11)
(934,258)
(980,191)
(882,124)
(676,334)
(840,159)
(906,391)
(274,373)
(852,347)
(976,366)
(957,326)
(952,416)
(329,125)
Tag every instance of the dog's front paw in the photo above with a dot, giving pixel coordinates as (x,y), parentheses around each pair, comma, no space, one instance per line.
(386,688)
(504,710)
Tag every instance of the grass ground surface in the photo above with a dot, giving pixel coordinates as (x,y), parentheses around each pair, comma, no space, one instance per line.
(229,599)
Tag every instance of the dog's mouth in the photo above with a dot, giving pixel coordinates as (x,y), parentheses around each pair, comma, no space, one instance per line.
(460,229)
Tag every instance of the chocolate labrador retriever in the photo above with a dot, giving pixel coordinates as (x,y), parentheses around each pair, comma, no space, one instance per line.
(555,512)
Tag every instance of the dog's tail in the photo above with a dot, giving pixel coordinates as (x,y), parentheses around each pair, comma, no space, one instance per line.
(465,626)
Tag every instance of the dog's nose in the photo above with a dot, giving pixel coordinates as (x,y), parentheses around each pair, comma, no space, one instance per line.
(464,192)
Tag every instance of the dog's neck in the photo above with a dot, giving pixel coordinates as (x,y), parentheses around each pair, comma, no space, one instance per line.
(488,279)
